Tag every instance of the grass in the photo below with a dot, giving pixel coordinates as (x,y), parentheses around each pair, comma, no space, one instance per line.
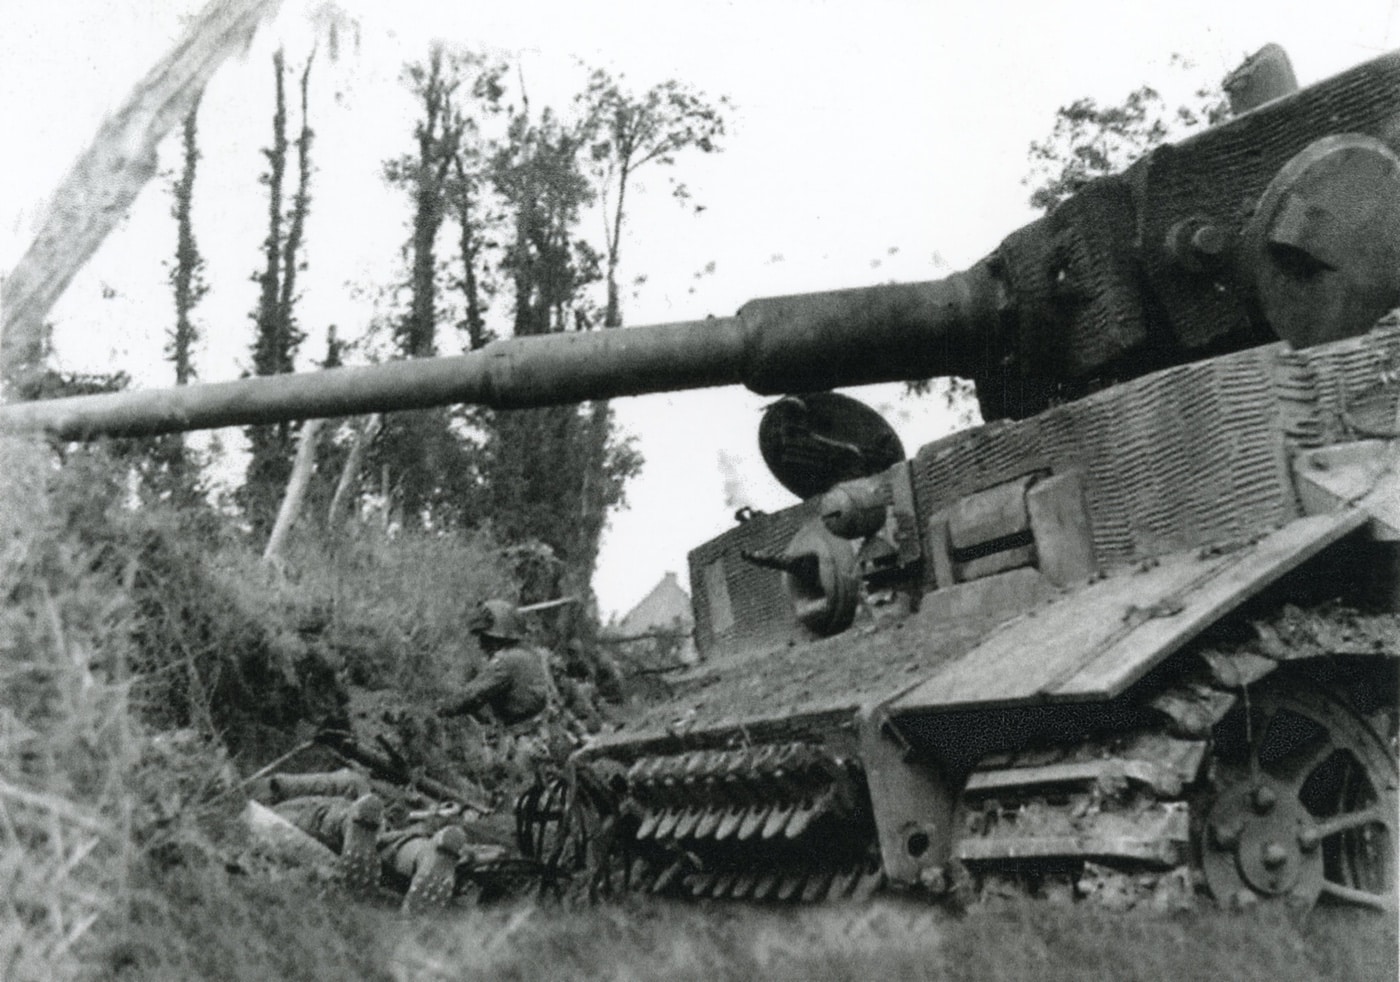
(67,740)
(209,925)
(890,939)
(399,607)
(199,923)
(132,655)
(121,856)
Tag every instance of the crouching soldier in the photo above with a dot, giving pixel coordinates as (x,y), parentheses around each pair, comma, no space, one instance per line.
(421,859)
(516,687)
(515,683)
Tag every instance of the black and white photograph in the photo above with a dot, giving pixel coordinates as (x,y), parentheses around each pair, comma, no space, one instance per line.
(775,490)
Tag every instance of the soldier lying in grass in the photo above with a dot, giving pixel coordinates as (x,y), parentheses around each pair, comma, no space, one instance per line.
(422,858)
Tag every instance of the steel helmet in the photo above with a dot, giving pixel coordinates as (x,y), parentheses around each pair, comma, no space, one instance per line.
(497,619)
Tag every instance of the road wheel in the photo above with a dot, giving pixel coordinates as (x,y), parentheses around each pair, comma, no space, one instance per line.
(1306,804)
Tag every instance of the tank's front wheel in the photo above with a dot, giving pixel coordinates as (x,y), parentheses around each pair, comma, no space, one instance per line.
(1306,807)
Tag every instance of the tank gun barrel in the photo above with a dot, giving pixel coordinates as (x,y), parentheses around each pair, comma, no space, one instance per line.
(1281,223)
(776,345)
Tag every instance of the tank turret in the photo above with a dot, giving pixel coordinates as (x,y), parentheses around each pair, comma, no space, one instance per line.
(1282,223)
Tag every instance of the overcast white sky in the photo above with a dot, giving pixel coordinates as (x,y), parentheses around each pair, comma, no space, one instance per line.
(872,140)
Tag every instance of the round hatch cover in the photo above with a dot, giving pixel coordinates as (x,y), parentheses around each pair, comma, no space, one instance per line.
(815,441)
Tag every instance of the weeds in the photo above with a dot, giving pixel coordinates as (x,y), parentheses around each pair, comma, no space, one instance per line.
(893,939)
(398,607)
(120,848)
(67,741)
(133,656)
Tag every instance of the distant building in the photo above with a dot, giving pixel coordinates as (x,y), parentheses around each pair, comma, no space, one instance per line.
(666,606)
(663,612)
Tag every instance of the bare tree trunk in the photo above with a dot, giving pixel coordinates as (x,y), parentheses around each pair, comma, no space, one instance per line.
(470,246)
(296,489)
(106,179)
(348,475)
(384,489)
(292,261)
(187,275)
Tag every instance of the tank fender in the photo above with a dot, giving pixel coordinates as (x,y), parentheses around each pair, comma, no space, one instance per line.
(1363,474)
(1091,644)
(913,803)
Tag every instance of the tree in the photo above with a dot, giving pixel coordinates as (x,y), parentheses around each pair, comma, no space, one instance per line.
(436,133)
(455,93)
(468,194)
(1090,140)
(629,132)
(338,454)
(538,175)
(423,450)
(293,259)
(513,186)
(168,471)
(626,133)
(187,273)
(277,336)
(551,475)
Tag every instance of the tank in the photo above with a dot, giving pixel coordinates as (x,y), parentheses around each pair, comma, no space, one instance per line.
(1135,636)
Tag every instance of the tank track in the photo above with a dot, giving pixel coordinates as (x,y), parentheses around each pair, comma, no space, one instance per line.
(788,821)
(1271,771)
(1146,813)
(1107,817)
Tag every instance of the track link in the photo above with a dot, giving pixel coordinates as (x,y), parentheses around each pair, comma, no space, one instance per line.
(1271,773)
(775,822)
(785,822)
(1300,703)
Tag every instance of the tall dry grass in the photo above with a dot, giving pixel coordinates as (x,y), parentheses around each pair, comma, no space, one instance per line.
(67,740)
(398,606)
(131,651)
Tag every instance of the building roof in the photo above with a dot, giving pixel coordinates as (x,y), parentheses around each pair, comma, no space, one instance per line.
(666,606)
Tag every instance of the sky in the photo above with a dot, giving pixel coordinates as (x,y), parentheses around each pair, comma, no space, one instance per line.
(871,141)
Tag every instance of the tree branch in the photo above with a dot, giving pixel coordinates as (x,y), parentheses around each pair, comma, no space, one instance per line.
(106,179)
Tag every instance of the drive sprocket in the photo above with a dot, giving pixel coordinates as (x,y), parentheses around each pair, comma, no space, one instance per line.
(1306,803)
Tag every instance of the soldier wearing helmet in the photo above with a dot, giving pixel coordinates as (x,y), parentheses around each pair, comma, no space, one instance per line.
(515,683)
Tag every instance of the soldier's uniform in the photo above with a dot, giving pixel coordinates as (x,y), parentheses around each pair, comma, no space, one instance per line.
(517,687)
(421,858)
(514,684)
(350,829)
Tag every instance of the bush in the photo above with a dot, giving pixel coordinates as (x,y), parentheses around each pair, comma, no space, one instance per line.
(133,655)
(398,606)
(251,655)
(223,651)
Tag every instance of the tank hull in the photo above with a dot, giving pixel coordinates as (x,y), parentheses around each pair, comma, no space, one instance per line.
(1063,727)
